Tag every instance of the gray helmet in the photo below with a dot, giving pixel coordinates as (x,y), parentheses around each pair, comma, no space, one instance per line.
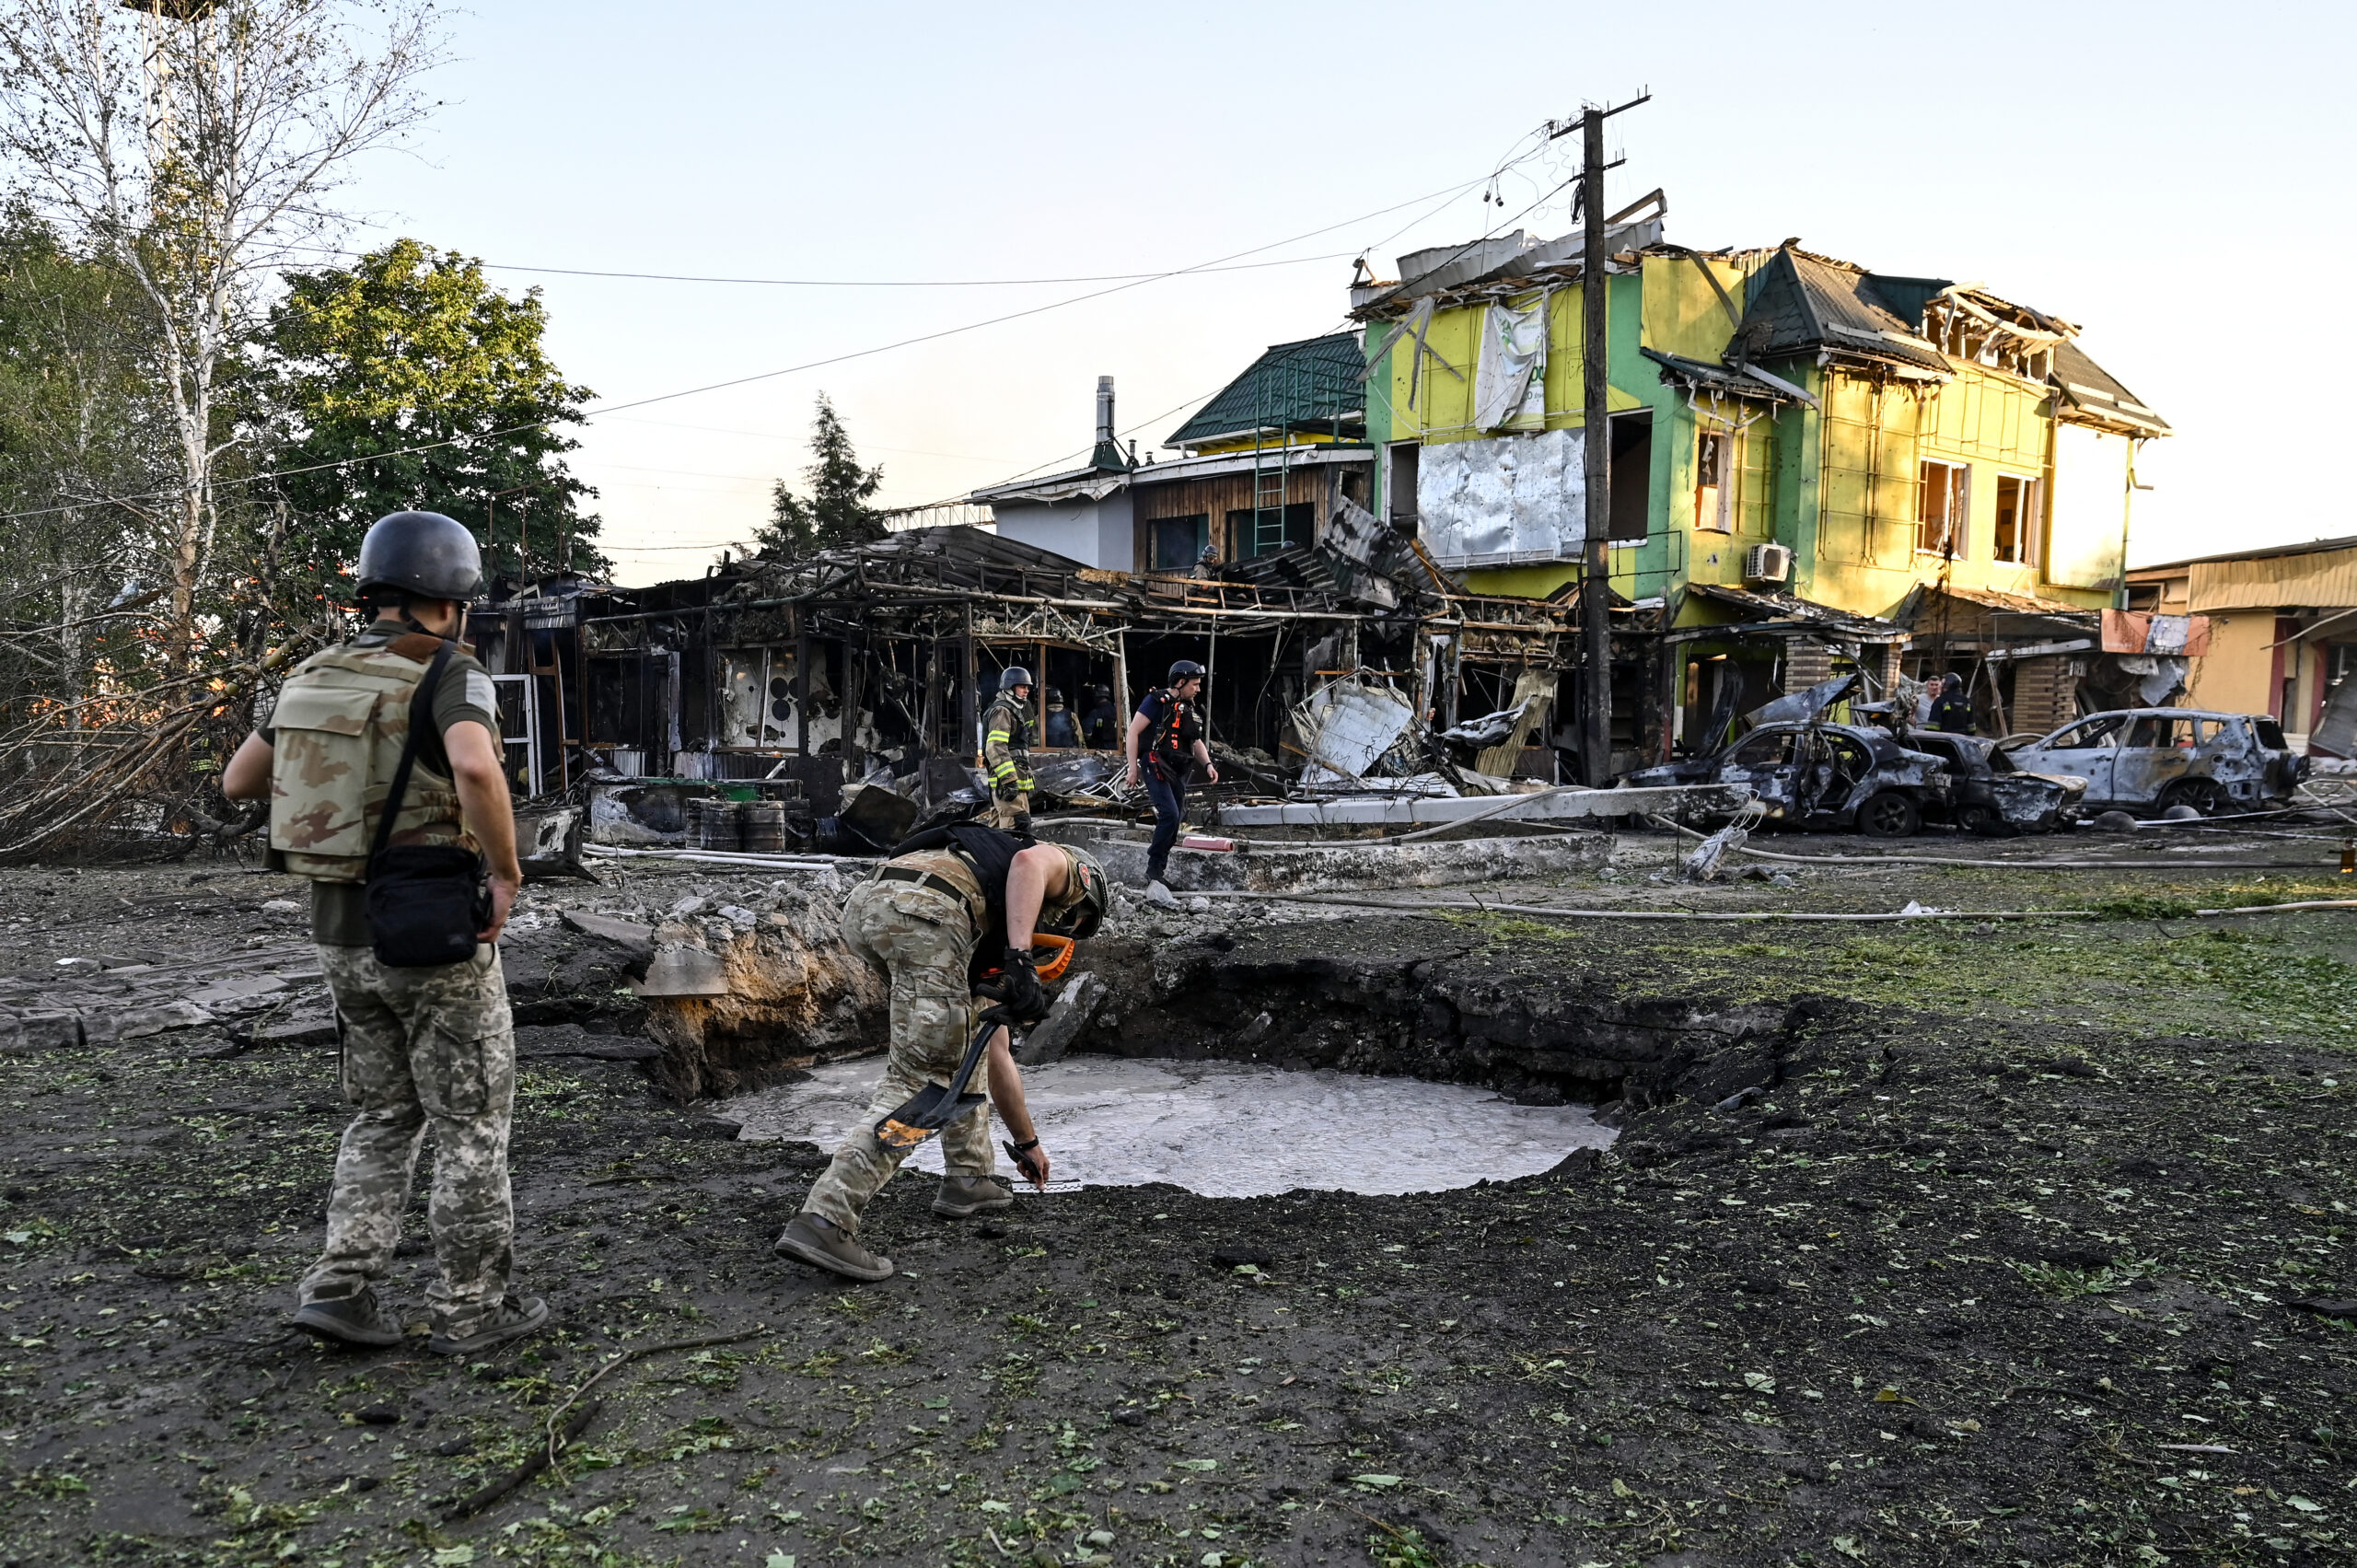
(423,554)
(1185,669)
(1016,676)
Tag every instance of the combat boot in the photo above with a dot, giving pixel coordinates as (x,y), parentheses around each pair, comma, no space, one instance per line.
(511,1319)
(962,1196)
(354,1320)
(814,1241)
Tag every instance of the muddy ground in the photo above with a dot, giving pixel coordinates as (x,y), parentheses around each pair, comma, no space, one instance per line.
(1999,1265)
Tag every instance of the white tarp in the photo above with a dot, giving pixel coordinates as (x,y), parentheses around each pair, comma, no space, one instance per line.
(1511,381)
(1503,499)
(1226,1129)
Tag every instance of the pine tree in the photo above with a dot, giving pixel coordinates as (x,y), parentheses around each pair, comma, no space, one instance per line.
(837,512)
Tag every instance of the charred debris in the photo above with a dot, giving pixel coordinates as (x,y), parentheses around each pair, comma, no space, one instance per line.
(784,682)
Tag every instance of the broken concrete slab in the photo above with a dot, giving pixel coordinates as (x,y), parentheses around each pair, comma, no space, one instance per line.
(299,1031)
(629,934)
(1304,869)
(106,1026)
(1074,1009)
(39,1029)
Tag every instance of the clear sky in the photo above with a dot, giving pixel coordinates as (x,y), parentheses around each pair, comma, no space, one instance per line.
(2173,178)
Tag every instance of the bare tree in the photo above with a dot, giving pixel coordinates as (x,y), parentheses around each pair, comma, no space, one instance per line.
(193,144)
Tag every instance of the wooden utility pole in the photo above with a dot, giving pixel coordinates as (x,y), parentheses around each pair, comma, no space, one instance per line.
(1595,567)
(1595,554)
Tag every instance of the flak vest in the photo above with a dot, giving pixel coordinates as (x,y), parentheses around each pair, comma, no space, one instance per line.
(341,722)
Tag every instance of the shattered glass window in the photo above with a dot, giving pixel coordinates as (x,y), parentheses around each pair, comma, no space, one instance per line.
(2085,736)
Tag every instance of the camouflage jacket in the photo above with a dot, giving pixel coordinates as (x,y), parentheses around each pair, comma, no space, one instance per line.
(339,727)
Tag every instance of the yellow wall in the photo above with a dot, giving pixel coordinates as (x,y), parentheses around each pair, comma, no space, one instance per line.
(2237,673)
(1682,315)
(1875,436)
(1444,410)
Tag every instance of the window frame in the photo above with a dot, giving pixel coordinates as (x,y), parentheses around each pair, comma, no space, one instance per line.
(1956,518)
(1720,489)
(2030,517)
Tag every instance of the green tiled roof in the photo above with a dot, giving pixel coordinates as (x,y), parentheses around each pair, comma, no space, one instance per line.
(1312,382)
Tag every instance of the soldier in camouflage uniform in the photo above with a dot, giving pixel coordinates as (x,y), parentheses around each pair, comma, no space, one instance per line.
(933,920)
(422,1047)
(1007,752)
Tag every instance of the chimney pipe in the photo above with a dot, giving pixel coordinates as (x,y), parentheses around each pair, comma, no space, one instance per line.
(1103,408)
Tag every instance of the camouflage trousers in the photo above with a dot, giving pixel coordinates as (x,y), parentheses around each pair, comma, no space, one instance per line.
(422,1047)
(921,940)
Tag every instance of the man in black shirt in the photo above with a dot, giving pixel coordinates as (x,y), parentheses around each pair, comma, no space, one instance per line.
(1166,738)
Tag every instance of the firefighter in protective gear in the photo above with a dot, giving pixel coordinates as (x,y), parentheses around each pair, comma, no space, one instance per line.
(432,1046)
(957,904)
(1007,752)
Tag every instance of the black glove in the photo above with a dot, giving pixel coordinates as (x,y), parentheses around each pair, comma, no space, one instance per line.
(1005,790)
(1022,829)
(1025,1002)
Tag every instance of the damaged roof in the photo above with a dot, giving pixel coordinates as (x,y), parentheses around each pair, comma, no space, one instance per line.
(1769,609)
(2091,389)
(1734,381)
(1311,382)
(1800,303)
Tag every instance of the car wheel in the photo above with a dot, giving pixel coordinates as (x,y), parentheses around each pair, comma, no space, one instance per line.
(2202,795)
(1889,815)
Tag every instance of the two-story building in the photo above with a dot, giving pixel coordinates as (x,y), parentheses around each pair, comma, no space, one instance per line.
(1802,450)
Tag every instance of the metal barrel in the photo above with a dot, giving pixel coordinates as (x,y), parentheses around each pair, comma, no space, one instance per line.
(715,824)
(764,826)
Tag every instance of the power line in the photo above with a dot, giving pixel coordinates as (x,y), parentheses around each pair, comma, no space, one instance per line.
(772,375)
(880,283)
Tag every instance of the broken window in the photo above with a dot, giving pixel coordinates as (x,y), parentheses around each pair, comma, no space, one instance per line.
(1265,532)
(1766,749)
(1632,476)
(1399,484)
(2088,735)
(1714,482)
(2017,517)
(1940,511)
(1178,542)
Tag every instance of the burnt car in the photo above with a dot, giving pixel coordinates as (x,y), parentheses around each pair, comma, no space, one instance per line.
(2148,760)
(1831,777)
(1988,793)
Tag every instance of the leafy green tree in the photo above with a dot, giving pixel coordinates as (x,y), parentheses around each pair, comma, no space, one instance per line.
(837,511)
(83,450)
(407,380)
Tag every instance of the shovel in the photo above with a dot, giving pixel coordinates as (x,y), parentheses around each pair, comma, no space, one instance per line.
(936,1105)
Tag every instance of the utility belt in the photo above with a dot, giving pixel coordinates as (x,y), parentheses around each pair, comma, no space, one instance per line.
(924,880)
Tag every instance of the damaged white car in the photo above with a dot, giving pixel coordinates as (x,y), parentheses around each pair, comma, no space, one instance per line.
(2148,760)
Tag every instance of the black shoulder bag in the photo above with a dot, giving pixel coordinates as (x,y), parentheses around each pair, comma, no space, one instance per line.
(424,901)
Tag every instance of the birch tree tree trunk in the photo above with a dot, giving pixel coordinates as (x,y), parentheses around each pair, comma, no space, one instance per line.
(193,144)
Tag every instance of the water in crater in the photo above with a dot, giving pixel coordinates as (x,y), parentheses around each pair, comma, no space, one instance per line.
(1226,1129)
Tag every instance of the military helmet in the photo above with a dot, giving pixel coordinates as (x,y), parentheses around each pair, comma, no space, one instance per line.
(1055,697)
(1087,912)
(1185,669)
(1016,675)
(423,554)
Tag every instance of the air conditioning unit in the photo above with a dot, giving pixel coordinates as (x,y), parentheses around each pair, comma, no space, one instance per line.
(1767,564)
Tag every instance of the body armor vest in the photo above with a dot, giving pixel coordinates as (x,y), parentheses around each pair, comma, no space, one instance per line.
(341,722)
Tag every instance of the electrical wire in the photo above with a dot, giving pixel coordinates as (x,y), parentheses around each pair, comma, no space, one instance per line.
(1138,281)
(868,283)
